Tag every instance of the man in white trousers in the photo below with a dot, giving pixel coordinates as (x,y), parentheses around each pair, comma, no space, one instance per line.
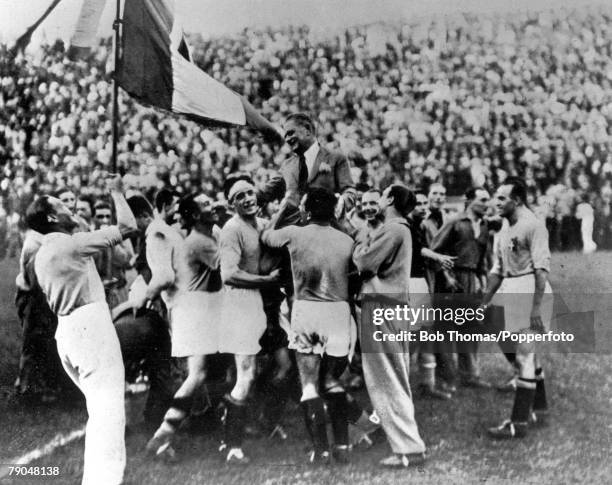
(86,339)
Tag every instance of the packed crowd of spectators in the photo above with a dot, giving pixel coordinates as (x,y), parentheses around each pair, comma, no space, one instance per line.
(463,100)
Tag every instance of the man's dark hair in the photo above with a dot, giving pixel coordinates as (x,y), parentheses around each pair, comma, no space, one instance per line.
(232,179)
(61,191)
(404,199)
(302,119)
(36,217)
(362,187)
(470,194)
(275,189)
(372,191)
(189,211)
(519,188)
(435,184)
(102,204)
(140,206)
(164,198)
(321,203)
(87,200)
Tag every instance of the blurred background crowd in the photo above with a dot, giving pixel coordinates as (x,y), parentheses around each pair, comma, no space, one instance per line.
(462,100)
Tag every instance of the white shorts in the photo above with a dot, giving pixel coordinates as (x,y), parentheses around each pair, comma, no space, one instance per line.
(194,323)
(243,321)
(320,327)
(516,296)
(418,286)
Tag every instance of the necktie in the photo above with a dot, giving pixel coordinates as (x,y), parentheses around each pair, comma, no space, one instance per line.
(303,175)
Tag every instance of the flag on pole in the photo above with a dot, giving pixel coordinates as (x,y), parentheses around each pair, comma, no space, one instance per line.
(156,68)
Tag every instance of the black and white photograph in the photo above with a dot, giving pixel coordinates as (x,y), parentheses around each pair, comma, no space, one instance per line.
(305,242)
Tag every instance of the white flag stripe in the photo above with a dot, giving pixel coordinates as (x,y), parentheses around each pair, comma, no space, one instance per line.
(195,92)
(85,33)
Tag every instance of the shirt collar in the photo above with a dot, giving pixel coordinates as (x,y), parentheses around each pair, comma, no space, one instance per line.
(310,155)
(399,220)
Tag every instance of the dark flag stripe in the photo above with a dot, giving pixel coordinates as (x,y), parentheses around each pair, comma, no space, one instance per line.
(145,67)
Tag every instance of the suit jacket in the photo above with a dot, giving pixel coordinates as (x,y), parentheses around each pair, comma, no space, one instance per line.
(337,179)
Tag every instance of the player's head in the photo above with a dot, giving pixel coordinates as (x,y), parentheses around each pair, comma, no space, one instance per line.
(300,132)
(103,214)
(319,205)
(369,204)
(399,198)
(196,209)
(142,210)
(49,214)
(477,200)
(436,196)
(188,212)
(84,208)
(510,195)
(420,209)
(166,202)
(243,198)
(67,196)
(232,178)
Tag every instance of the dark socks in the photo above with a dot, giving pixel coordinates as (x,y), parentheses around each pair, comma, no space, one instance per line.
(183,406)
(353,409)
(539,401)
(234,422)
(523,400)
(511,357)
(337,410)
(314,418)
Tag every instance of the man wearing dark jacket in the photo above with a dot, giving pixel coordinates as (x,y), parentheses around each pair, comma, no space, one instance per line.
(311,165)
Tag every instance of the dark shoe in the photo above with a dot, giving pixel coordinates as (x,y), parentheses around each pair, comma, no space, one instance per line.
(279,433)
(447,387)
(403,461)
(539,418)
(508,386)
(508,430)
(476,383)
(253,431)
(341,454)
(161,449)
(160,446)
(432,392)
(319,458)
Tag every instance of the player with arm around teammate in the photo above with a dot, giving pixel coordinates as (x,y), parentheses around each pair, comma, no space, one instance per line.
(243,320)
(321,318)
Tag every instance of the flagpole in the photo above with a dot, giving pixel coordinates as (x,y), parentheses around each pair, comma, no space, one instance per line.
(116,28)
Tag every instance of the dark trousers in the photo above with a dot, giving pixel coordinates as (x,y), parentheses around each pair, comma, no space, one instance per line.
(40,369)
(146,346)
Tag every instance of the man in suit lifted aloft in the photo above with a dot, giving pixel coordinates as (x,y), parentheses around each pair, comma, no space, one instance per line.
(311,165)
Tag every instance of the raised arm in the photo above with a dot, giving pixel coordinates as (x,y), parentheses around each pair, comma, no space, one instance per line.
(125,219)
